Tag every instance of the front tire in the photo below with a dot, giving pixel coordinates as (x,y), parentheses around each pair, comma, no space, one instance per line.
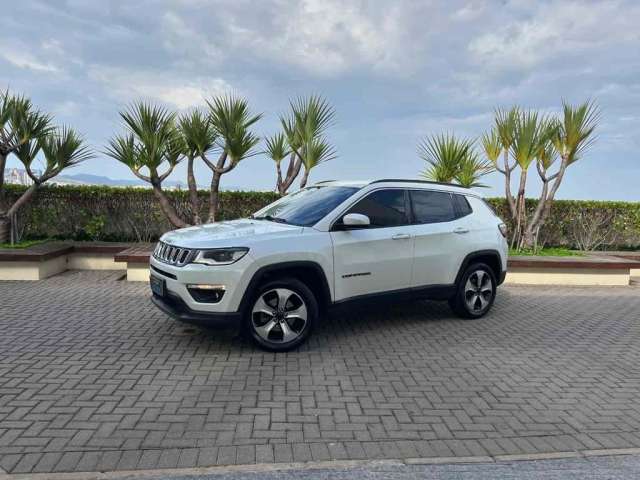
(475,292)
(281,315)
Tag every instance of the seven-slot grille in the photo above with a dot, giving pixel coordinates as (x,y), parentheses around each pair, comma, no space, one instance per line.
(173,255)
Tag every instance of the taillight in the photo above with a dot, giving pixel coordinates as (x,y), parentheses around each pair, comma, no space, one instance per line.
(503,229)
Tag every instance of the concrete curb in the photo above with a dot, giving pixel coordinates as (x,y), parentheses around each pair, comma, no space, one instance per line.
(324,465)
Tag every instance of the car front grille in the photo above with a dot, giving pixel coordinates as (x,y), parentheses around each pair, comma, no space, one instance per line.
(173,255)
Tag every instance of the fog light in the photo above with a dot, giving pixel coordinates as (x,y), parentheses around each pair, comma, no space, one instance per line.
(207,287)
(204,293)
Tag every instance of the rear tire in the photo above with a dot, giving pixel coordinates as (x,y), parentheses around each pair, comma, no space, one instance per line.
(281,315)
(475,292)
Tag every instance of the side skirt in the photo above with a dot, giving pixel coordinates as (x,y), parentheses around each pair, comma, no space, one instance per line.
(430,292)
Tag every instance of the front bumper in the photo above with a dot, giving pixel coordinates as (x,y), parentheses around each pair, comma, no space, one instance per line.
(173,306)
(233,277)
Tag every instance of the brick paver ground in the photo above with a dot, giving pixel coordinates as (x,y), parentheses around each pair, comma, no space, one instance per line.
(93,377)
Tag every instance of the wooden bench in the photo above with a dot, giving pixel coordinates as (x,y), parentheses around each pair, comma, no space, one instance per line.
(47,259)
(136,259)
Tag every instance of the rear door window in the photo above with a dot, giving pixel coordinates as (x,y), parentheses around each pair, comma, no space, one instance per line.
(432,206)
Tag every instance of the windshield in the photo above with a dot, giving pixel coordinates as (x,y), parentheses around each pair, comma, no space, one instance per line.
(305,207)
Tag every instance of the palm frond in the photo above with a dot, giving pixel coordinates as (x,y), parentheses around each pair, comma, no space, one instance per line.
(316,151)
(526,138)
(198,133)
(277,147)
(123,149)
(153,129)
(232,119)
(505,125)
(309,118)
(444,153)
(576,128)
(472,169)
(492,145)
(62,149)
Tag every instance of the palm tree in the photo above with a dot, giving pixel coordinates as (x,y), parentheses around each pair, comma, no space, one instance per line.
(151,141)
(567,139)
(304,129)
(20,123)
(452,159)
(61,148)
(199,137)
(314,152)
(277,150)
(505,129)
(232,120)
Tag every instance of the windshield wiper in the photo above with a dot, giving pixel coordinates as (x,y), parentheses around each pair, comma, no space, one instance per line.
(270,218)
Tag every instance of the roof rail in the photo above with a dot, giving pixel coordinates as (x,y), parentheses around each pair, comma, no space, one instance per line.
(324,181)
(407,180)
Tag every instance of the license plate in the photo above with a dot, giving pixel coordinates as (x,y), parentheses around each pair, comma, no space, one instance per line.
(157,285)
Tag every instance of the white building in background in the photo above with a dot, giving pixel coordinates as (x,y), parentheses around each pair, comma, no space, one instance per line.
(18,176)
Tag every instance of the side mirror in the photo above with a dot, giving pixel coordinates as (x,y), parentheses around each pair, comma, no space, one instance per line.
(352,220)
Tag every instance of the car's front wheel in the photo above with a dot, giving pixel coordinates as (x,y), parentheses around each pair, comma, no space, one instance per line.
(475,292)
(282,314)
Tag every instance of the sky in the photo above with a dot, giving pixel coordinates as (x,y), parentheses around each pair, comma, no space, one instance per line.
(395,72)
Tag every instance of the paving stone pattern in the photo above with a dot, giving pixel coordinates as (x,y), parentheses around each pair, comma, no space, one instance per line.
(94,378)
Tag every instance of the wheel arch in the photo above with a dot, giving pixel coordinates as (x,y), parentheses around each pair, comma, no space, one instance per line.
(490,257)
(308,272)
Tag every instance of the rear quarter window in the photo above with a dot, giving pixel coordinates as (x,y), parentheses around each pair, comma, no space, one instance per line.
(463,208)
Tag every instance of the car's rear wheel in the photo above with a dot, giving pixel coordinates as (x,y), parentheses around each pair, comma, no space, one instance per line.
(282,314)
(475,292)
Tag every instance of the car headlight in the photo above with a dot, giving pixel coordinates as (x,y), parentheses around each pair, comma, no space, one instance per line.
(220,256)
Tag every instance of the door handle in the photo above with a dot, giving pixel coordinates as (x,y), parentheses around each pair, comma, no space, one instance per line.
(400,236)
(460,230)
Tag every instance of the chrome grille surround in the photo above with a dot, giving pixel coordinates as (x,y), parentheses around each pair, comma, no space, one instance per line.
(172,255)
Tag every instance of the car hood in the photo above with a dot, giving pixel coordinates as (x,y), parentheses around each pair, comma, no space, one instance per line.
(234,233)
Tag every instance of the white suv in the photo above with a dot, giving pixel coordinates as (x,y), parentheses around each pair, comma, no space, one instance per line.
(334,243)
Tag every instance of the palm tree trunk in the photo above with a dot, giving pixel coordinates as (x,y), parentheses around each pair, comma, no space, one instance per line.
(294,169)
(507,186)
(5,228)
(22,200)
(520,210)
(167,208)
(193,192)
(6,217)
(215,187)
(279,179)
(213,197)
(305,177)
(5,224)
(531,233)
(538,221)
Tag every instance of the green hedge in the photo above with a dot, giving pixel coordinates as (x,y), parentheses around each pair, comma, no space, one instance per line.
(585,223)
(132,214)
(116,214)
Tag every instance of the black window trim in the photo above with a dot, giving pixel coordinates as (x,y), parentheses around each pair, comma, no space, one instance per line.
(408,212)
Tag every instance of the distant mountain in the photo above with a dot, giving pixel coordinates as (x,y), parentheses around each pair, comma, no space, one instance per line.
(89,179)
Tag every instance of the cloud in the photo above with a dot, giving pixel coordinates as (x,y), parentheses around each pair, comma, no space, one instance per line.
(321,37)
(129,85)
(20,57)
(180,38)
(555,30)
